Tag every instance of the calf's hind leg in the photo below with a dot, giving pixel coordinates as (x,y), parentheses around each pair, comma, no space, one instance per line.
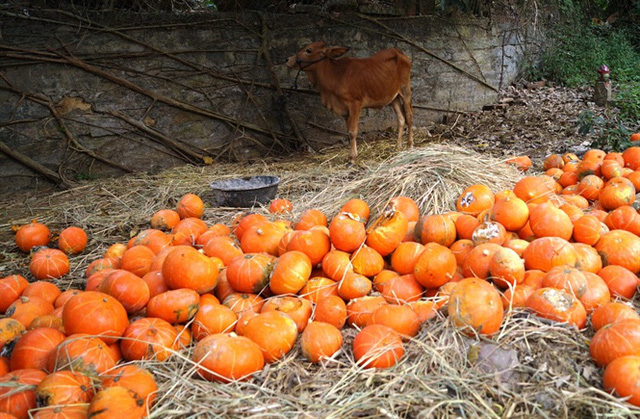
(352,127)
(397,107)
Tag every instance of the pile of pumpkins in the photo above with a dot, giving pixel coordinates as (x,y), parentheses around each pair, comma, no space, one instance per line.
(564,245)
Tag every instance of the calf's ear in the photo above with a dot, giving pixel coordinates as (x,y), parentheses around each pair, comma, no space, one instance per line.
(336,52)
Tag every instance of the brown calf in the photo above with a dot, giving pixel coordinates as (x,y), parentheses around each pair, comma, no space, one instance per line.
(347,85)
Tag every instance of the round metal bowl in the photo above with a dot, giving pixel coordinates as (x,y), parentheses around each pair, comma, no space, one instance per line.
(244,192)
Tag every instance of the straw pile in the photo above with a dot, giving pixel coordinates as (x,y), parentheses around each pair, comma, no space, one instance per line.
(531,368)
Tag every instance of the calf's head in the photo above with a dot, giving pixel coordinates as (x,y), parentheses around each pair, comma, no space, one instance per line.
(314,53)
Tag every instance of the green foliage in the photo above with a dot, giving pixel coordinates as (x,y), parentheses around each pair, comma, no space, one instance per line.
(628,100)
(578,52)
(611,134)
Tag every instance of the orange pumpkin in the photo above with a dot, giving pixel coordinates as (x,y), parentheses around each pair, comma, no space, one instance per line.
(377,346)
(400,318)
(280,206)
(622,376)
(367,261)
(133,378)
(148,338)
(557,305)
(620,247)
(17,391)
(475,307)
(511,212)
(310,218)
(174,306)
(506,268)
(72,240)
(358,208)
(212,318)
(190,205)
(64,387)
(225,358)
(82,353)
(336,264)
(49,264)
(250,273)
(614,340)
(31,235)
(612,312)
(117,402)
(290,272)
(274,332)
(34,348)
(11,287)
(435,266)
(346,232)
(439,229)
(475,199)
(185,267)
(319,341)
(546,252)
(97,314)
(387,232)
(407,206)
(298,309)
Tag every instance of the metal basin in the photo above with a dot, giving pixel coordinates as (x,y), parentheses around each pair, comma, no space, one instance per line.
(244,192)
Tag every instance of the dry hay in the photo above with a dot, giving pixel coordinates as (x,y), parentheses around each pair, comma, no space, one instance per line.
(549,370)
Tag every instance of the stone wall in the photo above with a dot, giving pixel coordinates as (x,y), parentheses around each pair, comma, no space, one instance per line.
(85,101)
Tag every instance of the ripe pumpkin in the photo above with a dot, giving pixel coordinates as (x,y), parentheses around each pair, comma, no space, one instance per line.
(212,318)
(299,309)
(310,218)
(319,341)
(336,264)
(597,293)
(620,247)
(34,348)
(588,259)
(439,229)
(49,264)
(82,353)
(358,208)
(354,285)
(133,378)
(546,252)
(174,306)
(489,232)
(557,305)
(332,310)
(190,205)
(117,402)
(165,219)
(612,312)
(360,310)
(137,260)
(224,248)
(346,232)
(72,240)
(546,220)
(250,273)
(616,193)
(263,237)
(11,329)
(435,266)
(622,376)
(148,338)
(42,289)
(466,225)
(407,206)
(377,346)
(185,267)
(587,229)
(475,199)
(155,282)
(64,387)
(26,309)
(17,391)
(511,212)
(620,280)
(566,278)
(290,273)
(239,302)
(387,231)
(398,289)
(367,261)
(475,307)
(313,243)
(11,287)
(400,318)
(614,340)
(226,358)
(280,206)
(95,313)
(534,189)
(274,332)
(506,268)
(129,289)
(31,235)
(479,260)
(516,297)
